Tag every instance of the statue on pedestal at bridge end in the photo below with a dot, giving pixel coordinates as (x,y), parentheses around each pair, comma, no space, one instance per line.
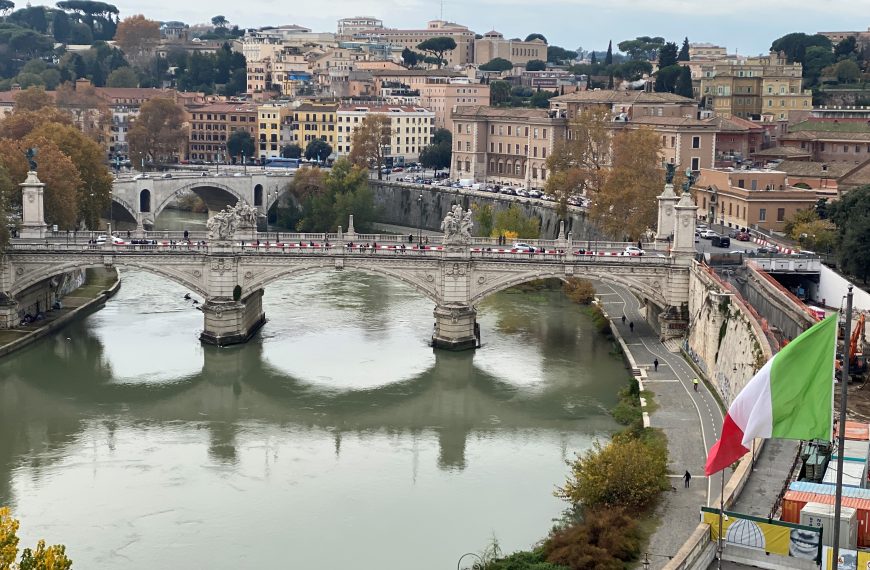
(457,226)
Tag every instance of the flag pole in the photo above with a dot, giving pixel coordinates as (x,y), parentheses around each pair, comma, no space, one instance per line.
(841,436)
(721,516)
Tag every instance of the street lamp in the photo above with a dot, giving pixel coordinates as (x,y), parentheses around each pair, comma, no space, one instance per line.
(478,565)
(244,162)
(420,222)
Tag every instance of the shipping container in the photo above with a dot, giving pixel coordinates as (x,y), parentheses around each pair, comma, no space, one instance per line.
(854,474)
(794,501)
(853,450)
(855,430)
(821,515)
(824,489)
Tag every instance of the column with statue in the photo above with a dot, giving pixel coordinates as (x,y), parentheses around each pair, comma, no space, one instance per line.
(32,202)
(667,200)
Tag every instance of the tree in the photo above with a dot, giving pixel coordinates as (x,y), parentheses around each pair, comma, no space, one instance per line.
(815,60)
(497,64)
(437,47)
(370,141)
(157,133)
(88,110)
(240,145)
(536,65)
(512,223)
(541,99)
(668,55)
(219,22)
(642,48)
(851,215)
(499,93)
(328,199)
(536,36)
(291,150)
(846,47)
(318,150)
(606,539)
(579,290)
(593,59)
(33,99)
(847,71)
(626,205)
(6,6)
(437,155)
(628,473)
(558,55)
(123,77)
(409,57)
(683,85)
(577,164)
(44,558)
(684,51)
(795,45)
(666,78)
(138,36)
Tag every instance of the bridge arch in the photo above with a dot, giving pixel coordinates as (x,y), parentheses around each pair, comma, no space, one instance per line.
(649,287)
(49,270)
(145,200)
(419,282)
(229,196)
(121,210)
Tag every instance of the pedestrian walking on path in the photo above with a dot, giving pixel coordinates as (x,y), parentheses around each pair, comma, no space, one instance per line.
(656,364)
(623,319)
(631,326)
(687,477)
(695,383)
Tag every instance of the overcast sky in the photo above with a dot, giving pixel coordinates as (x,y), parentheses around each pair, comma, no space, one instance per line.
(745,26)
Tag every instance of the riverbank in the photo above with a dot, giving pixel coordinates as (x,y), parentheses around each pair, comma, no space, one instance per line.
(99,286)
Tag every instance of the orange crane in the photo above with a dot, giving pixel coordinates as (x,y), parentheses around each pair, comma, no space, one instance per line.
(857,362)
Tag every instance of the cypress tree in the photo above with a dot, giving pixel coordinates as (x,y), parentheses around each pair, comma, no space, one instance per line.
(684,51)
(608,59)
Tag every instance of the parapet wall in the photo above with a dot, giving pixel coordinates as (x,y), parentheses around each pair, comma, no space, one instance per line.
(399,204)
(726,339)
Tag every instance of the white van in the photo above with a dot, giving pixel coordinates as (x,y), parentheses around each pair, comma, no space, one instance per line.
(466,182)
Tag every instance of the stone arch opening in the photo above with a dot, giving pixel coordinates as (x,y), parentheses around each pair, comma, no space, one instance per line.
(145,200)
(258,195)
(215,196)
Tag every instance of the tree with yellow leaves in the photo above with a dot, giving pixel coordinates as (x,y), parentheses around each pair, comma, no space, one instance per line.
(43,558)
(370,142)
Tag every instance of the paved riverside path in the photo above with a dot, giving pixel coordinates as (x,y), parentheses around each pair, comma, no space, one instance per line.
(690,420)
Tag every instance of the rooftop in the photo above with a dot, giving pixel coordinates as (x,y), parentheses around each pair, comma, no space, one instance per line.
(624,97)
(382,109)
(499,112)
(831,126)
(228,108)
(782,152)
(736,125)
(814,169)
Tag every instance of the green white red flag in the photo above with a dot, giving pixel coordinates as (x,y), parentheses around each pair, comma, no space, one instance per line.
(791,397)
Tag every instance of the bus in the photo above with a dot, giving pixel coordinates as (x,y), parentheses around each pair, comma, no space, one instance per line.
(282,162)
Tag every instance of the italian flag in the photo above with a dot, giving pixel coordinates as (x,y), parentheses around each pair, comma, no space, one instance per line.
(791,397)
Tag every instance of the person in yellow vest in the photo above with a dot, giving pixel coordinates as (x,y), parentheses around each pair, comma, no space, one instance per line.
(695,384)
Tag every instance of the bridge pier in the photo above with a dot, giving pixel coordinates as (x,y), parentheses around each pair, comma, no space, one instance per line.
(232,322)
(455,327)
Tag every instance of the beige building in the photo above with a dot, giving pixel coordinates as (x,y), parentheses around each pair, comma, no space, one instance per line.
(493,45)
(504,146)
(685,142)
(706,52)
(212,125)
(464,38)
(347,27)
(749,198)
(627,105)
(314,121)
(753,87)
(411,128)
(441,96)
(272,123)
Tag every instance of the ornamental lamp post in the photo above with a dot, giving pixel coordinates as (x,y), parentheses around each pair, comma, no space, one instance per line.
(420,221)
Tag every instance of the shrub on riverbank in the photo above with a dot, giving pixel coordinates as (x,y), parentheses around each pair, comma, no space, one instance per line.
(628,411)
(579,290)
(602,324)
(43,557)
(605,540)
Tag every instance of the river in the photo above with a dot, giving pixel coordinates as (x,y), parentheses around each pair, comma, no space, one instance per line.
(335,438)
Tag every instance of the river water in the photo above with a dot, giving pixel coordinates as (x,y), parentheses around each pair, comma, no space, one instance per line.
(335,438)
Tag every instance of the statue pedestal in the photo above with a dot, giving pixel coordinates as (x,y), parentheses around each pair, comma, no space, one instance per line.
(32,208)
(247,234)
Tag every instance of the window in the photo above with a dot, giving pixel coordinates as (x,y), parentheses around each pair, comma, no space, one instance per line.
(458,126)
(762,214)
(491,147)
(468,129)
(780,214)
(458,145)
(741,183)
(544,152)
(673,142)
(753,184)
(509,130)
(696,163)
(467,146)
(696,142)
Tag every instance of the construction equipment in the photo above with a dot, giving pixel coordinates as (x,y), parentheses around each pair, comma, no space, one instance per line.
(857,360)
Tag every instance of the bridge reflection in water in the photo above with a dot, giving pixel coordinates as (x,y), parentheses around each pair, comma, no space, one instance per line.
(192,431)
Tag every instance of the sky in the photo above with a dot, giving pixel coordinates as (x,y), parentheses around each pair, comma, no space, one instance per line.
(743,26)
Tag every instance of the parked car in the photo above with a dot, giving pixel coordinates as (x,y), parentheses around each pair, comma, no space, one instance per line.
(720,241)
(708,234)
(765,250)
(733,234)
(743,236)
(398,169)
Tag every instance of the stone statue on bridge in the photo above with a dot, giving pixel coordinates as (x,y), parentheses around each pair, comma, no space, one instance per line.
(223,225)
(457,226)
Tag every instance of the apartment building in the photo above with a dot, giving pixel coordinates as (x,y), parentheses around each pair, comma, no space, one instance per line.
(862,38)
(685,141)
(706,52)
(315,121)
(273,129)
(211,126)
(737,140)
(752,87)
(504,146)
(748,198)
(347,27)
(411,128)
(464,38)
(441,95)
(626,105)
(830,140)
(493,45)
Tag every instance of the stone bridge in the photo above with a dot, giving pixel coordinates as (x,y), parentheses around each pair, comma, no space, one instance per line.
(140,200)
(231,270)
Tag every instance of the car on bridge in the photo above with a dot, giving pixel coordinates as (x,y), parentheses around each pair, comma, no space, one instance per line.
(523,247)
(633,250)
(101,239)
